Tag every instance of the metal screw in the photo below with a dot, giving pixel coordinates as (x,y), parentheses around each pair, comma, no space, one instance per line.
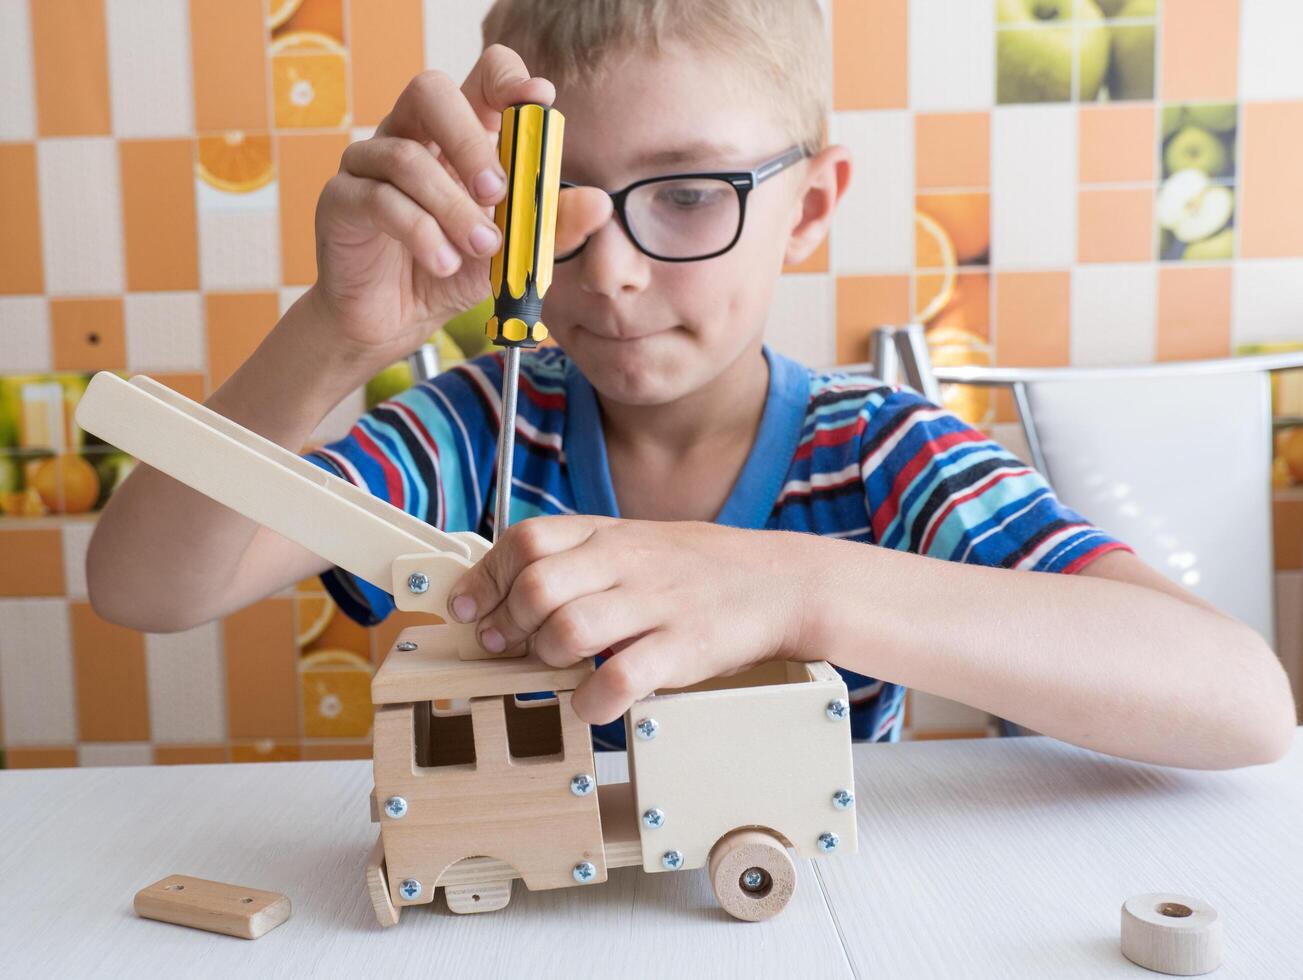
(407,646)
(582,784)
(843,799)
(584,872)
(837,709)
(647,729)
(828,841)
(653,818)
(672,860)
(418,583)
(410,889)
(753,879)
(396,807)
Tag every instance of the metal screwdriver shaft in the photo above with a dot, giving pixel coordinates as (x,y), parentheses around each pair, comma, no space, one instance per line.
(529,148)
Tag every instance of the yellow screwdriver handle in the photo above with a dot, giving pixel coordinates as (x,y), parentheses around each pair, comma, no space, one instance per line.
(529,147)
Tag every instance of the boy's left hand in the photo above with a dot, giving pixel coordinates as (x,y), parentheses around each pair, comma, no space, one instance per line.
(676,602)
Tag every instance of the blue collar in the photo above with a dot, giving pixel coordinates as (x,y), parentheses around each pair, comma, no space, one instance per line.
(752,498)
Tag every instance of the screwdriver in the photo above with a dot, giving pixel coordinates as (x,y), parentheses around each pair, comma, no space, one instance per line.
(529,148)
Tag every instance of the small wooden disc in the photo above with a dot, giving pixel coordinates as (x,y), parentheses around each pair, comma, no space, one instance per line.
(770,875)
(1173,934)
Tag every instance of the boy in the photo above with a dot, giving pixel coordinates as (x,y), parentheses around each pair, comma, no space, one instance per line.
(679,458)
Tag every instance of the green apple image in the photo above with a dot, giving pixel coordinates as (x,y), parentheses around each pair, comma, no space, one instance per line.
(391,381)
(1194,148)
(1131,63)
(1034,47)
(1217,117)
(1111,8)
(1192,207)
(467,329)
(11,477)
(1173,119)
(1219,246)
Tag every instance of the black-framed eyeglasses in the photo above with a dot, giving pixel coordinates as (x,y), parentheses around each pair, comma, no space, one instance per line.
(687,217)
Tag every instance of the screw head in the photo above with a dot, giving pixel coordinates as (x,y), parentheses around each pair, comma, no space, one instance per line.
(843,799)
(583,784)
(647,729)
(753,879)
(407,646)
(410,889)
(653,818)
(584,872)
(418,583)
(838,709)
(396,807)
(672,860)
(828,841)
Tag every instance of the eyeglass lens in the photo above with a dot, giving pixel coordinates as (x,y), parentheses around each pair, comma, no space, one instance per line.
(682,218)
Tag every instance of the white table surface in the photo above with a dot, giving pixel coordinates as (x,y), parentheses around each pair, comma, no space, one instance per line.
(978,858)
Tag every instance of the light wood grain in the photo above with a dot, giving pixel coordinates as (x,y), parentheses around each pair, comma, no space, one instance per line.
(997,857)
(214,906)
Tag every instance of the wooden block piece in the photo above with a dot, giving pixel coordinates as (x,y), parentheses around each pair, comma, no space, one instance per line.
(1173,934)
(486,897)
(214,906)
(377,886)
(752,875)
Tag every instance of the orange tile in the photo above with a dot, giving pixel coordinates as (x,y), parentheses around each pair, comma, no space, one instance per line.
(966,219)
(265,750)
(342,633)
(969,307)
(952,150)
(1194,312)
(21,270)
(870,44)
(1115,144)
(88,334)
(816,261)
(158,214)
(40,757)
(385,634)
(1032,317)
(190,385)
(336,750)
(1200,43)
(307,161)
(228,43)
(112,695)
(323,16)
(261,671)
(1287,528)
(1115,225)
(863,304)
(1271,195)
(71,64)
(33,562)
(387,49)
(186,755)
(237,324)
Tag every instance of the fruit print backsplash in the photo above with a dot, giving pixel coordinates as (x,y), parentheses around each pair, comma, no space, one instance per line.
(1040,182)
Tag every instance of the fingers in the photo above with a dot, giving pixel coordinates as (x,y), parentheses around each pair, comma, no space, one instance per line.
(594,622)
(411,168)
(543,591)
(630,675)
(500,79)
(373,205)
(580,211)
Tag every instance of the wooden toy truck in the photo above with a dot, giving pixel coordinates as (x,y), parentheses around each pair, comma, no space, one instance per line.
(477,785)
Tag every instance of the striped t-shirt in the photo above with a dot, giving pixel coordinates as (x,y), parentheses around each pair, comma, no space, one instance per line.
(835,454)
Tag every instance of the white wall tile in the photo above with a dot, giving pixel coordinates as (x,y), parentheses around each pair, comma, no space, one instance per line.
(1113,314)
(115,754)
(1267,301)
(17,87)
(289,295)
(76,539)
(873,229)
(1034,186)
(81,215)
(452,35)
(149,67)
(165,332)
(239,239)
(802,319)
(362,133)
(951,55)
(187,685)
(1270,32)
(24,334)
(37,692)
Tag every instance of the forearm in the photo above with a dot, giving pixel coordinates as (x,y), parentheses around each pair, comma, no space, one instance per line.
(1107,665)
(162,553)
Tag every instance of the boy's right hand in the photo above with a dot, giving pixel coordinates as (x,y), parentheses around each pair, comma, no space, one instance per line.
(405,231)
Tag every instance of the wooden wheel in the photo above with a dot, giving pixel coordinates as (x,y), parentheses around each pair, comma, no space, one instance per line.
(377,886)
(752,875)
(487,896)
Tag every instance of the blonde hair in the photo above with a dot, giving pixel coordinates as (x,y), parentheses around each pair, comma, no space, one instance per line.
(783,42)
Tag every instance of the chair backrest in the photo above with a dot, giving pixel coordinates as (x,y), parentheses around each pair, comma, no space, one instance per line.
(1175,464)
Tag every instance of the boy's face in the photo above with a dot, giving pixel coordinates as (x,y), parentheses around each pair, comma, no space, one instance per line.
(644,331)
